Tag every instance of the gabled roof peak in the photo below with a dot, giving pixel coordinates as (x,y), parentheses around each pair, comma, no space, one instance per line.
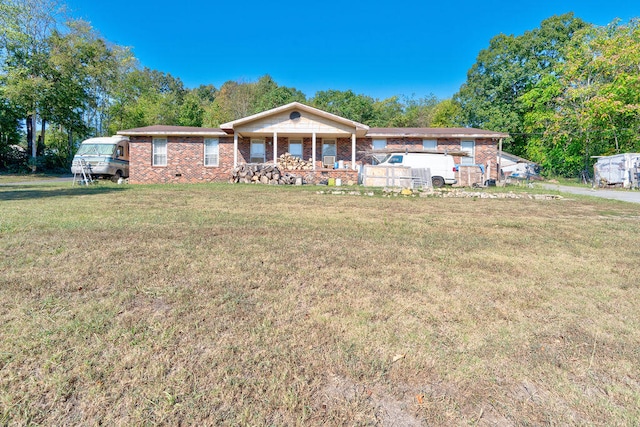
(290,107)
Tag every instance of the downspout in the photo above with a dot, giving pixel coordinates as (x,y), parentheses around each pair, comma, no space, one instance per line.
(235,149)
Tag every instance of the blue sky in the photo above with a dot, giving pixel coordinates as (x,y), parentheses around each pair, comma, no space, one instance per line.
(403,47)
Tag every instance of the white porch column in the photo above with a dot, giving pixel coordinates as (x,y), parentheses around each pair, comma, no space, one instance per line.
(499,161)
(353,151)
(313,150)
(235,149)
(275,148)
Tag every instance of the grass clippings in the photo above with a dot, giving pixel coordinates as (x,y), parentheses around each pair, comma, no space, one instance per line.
(251,305)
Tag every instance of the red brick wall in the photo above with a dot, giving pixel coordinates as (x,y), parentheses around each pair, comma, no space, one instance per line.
(185,156)
(487,155)
(185,161)
(347,176)
(486,149)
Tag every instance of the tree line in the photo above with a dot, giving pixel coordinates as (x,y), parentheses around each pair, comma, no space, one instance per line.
(565,91)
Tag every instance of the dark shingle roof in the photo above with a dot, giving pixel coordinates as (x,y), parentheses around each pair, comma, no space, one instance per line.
(172,130)
(434,133)
(372,132)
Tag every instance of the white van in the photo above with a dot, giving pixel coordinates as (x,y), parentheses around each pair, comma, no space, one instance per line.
(442,166)
(105,157)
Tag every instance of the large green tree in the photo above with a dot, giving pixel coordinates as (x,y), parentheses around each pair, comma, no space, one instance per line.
(81,67)
(147,97)
(196,101)
(237,99)
(10,130)
(25,30)
(509,68)
(447,113)
(268,94)
(233,101)
(348,104)
(591,104)
(59,71)
(387,112)
(419,112)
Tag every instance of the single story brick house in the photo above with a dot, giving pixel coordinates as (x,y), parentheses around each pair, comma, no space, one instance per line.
(163,154)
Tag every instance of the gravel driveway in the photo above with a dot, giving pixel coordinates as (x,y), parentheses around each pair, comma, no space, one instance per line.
(632,196)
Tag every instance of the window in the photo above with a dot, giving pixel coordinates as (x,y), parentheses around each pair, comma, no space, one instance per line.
(257,151)
(122,152)
(329,153)
(159,149)
(395,159)
(379,144)
(329,147)
(429,144)
(211,151)
(295,148)
(470,148)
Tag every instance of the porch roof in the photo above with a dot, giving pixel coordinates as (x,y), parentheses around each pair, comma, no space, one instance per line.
(434,133)
(172,131)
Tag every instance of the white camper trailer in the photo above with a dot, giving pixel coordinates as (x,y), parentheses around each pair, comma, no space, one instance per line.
(103,157)
(617,170)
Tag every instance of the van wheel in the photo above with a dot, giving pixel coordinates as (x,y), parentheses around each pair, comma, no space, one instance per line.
(117,176)
(437,181)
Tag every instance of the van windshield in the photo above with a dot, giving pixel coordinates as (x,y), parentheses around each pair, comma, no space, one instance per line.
(393,159)
(96,149)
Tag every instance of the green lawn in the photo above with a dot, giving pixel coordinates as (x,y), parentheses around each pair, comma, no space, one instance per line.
(252,305)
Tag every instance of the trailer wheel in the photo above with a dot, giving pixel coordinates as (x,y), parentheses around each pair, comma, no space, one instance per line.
(437,181)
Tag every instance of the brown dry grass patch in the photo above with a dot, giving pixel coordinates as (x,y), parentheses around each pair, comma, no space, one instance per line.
(245,305)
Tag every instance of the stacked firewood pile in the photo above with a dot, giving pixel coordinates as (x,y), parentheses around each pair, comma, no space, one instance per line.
(293,163)
(263,174)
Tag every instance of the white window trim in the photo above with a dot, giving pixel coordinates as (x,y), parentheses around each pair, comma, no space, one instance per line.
(297,141)
(463,160)
(154,153)
(217,152)
(264,152)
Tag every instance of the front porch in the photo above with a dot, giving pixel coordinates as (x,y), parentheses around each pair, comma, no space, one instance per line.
(328,142)
(279,174)
(320,154)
